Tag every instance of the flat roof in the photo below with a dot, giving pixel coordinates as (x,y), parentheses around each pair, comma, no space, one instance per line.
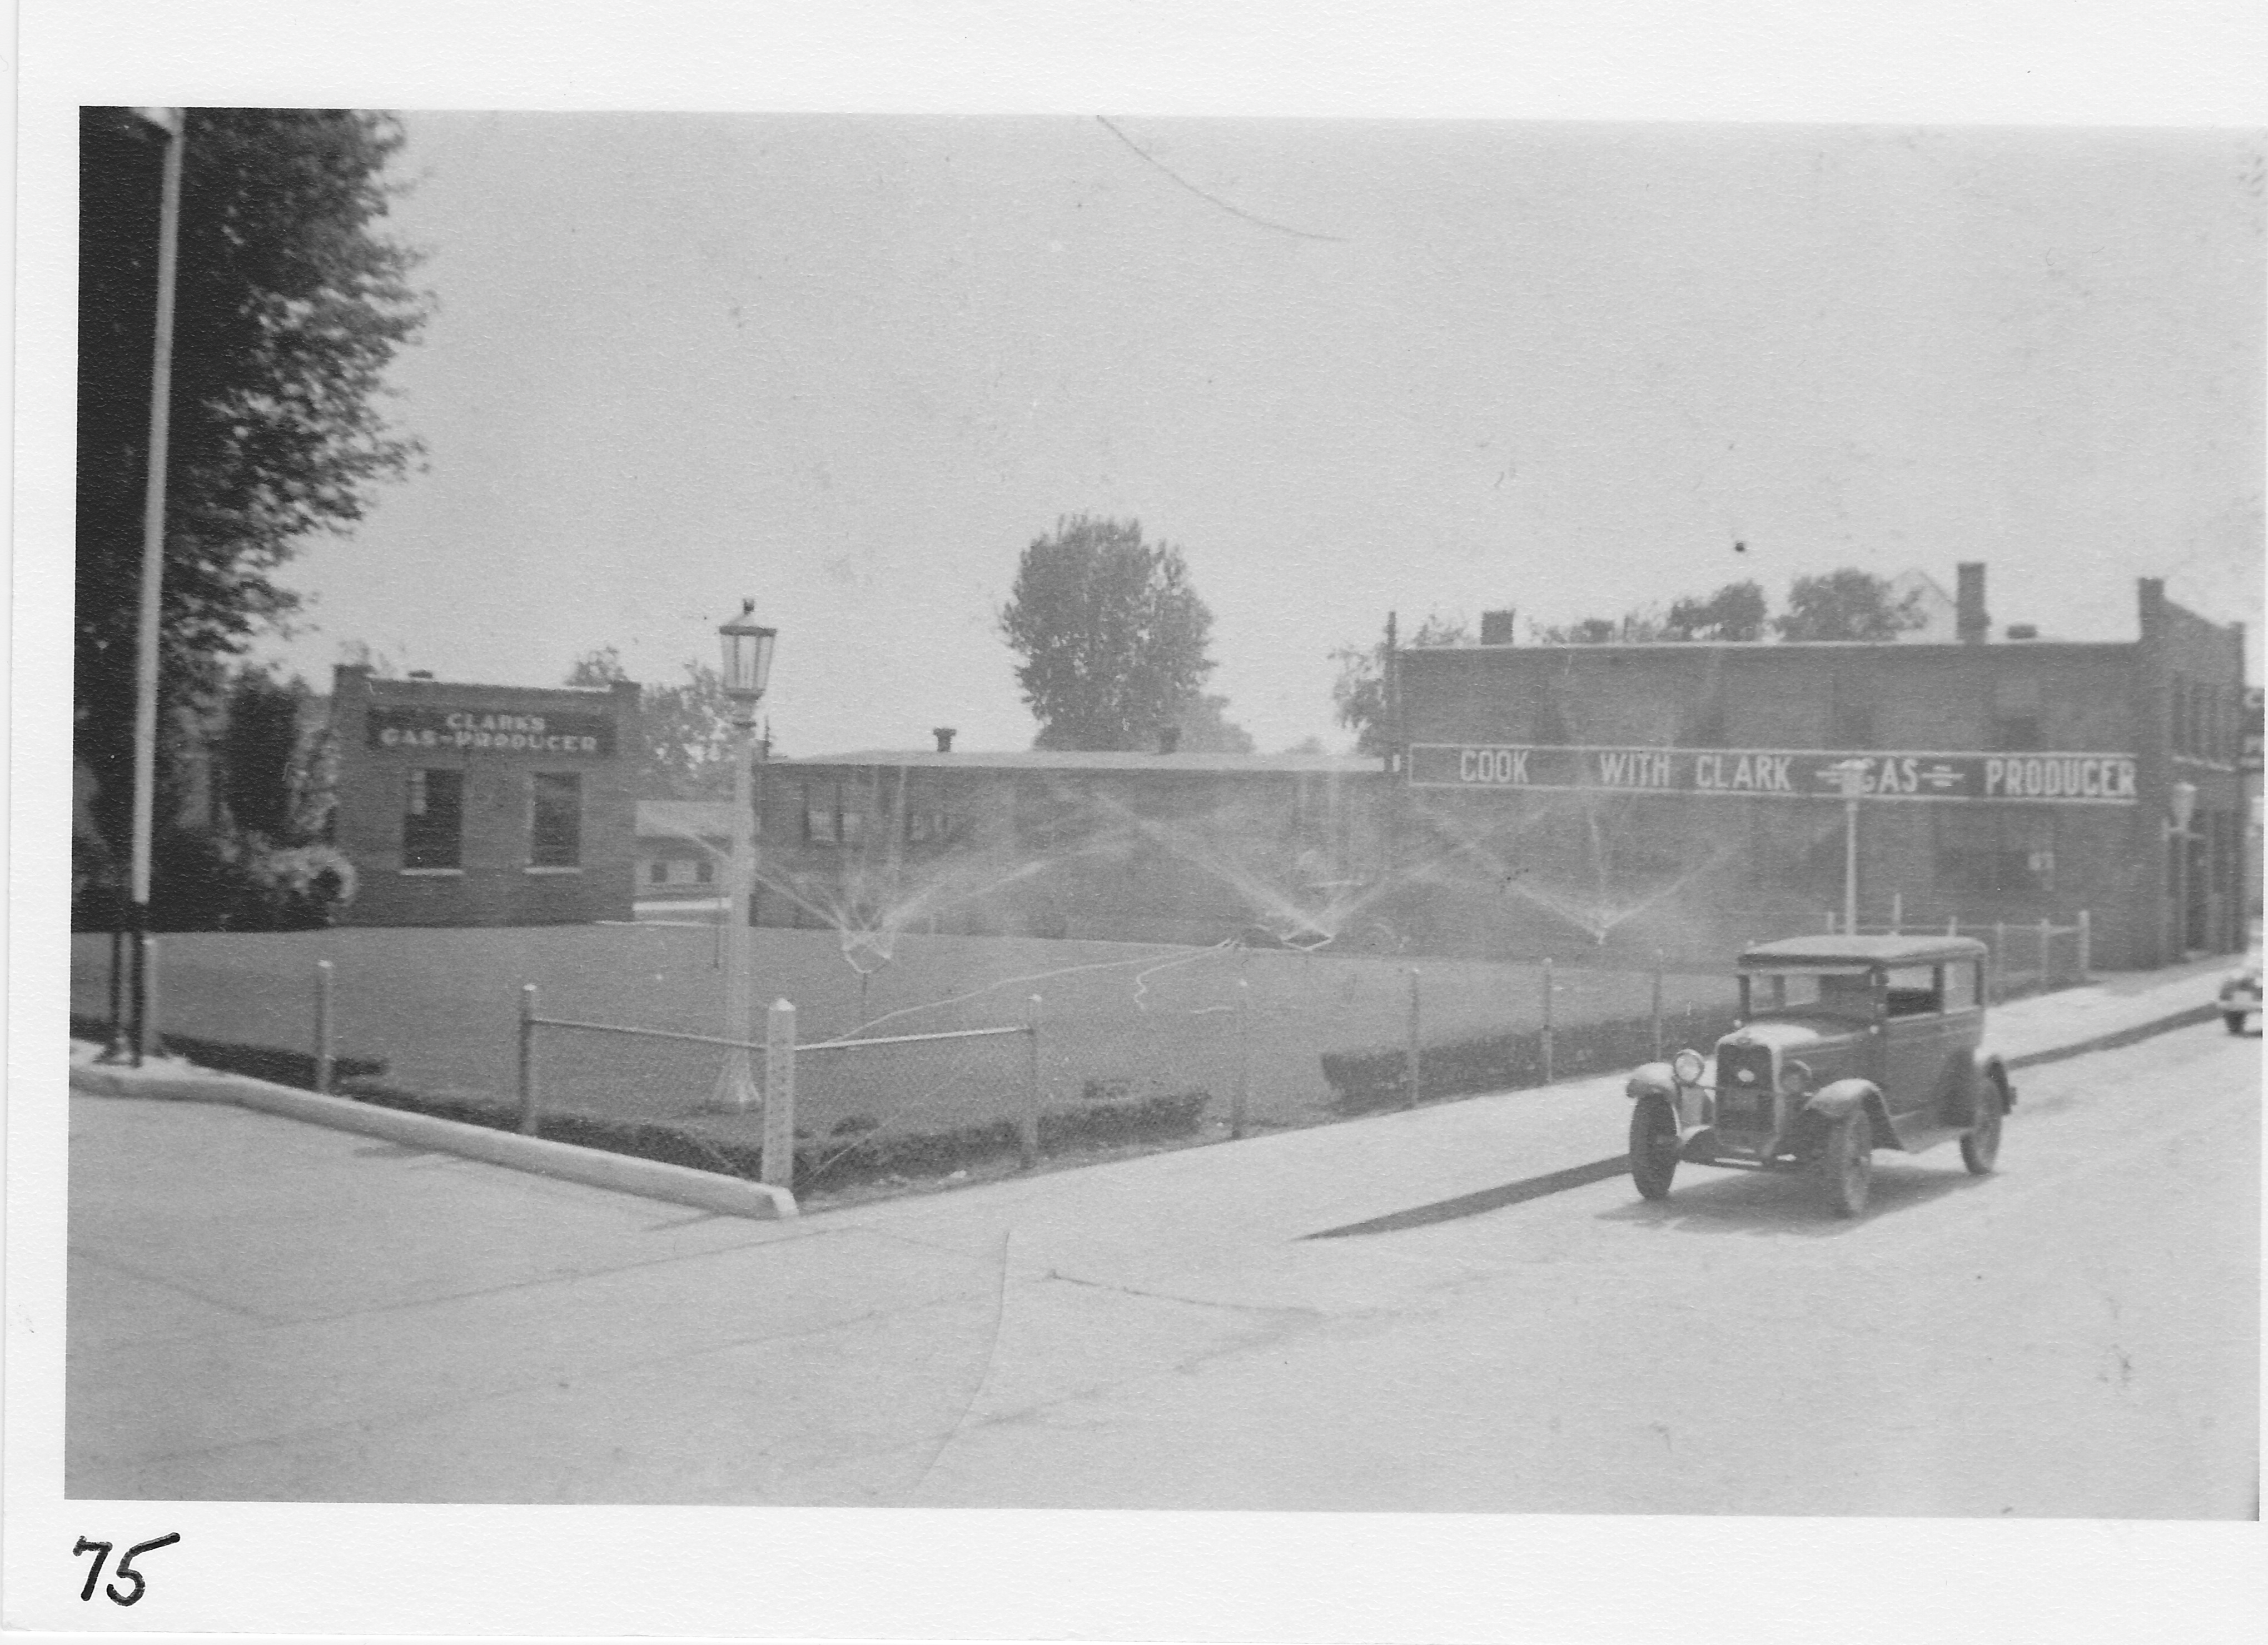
(1869,951)
(1890,647)
(1076,760)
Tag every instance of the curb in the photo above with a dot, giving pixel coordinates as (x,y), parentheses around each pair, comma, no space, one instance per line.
(2119,1037)
(623,1173)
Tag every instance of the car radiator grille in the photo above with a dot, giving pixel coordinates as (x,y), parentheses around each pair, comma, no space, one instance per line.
(1744,1105)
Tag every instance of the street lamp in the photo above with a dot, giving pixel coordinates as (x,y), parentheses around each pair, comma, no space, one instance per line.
(172,123)
(748,656)
(1851,774)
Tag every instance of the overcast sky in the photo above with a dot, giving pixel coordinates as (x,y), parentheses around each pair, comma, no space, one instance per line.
(852,366)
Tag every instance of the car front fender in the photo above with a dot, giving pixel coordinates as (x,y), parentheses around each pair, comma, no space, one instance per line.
(1833,1102)
(1992,1068)
(1654,1079)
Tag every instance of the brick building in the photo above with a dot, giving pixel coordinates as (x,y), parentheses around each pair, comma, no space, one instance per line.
(1169,846)
(469,804)
(1679,794)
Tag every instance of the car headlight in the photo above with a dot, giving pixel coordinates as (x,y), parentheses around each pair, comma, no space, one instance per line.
(1795,1079)
(1687,1066)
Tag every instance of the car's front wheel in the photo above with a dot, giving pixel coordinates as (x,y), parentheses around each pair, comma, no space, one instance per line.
(1846,1163)
(1980,1144)
(1652,1146)
(2236,1021)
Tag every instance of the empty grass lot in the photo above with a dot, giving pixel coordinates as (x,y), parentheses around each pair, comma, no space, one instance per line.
(1117,1019)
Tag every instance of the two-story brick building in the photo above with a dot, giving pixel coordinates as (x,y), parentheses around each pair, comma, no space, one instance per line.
(471,804)
(1645,793)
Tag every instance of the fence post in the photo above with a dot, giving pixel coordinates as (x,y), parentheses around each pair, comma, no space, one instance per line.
(1658,957)
(2046,976)
(527,1092)
(1897,914)
(1999,960)
(1953,925)
(324,1060)
(1830,923)
(1027,1128)
(153,1042)
(2086,942)
(1239,1101)
(1547,1019)
(1412,1054)
(778,1169)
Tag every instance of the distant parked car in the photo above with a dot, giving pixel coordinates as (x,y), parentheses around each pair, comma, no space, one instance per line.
(2240,996)
(1846,1045)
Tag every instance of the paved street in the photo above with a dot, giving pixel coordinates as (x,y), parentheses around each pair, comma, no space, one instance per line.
(2075,1336)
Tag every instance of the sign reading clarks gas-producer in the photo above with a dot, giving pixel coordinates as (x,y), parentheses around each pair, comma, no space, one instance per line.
(484,731)
(2086,779)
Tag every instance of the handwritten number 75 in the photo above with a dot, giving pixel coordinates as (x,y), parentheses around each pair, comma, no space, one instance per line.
(125,1566)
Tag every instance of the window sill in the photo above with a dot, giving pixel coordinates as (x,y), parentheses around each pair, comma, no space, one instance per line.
(431,873)
(546,868)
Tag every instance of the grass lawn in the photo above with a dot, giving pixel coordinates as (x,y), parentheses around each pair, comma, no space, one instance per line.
(439,1007)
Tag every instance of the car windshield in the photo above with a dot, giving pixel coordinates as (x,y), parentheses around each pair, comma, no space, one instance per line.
(1845,993)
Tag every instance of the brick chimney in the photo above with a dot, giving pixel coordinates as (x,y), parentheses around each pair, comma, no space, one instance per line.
(1495,627)
(1170,738)
(944,735)
(1971,622)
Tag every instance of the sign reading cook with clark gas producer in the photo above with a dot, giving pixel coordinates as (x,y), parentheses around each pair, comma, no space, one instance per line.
(2084,779)
(485,732)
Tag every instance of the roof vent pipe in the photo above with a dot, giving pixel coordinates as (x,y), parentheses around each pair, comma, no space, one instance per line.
(944,735)
(1970,622)
(421,673)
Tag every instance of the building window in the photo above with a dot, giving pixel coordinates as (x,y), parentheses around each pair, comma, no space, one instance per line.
(704,873)
(657,873)
(556,837)
(852,826)
(2016,714)
(433,821)
(819,813)
(1992,851)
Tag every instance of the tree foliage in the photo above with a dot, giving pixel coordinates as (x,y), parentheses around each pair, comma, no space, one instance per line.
(1206,729)
(1847,605)
(1358,694)
(1735,613)
(1112,635)
(288,307)
(687,754)
(261,751)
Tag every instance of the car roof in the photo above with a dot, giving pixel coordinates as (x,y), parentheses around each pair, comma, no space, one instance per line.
(1867,950)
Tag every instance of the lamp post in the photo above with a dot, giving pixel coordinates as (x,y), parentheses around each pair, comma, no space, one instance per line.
(747,656)
(1851,774)
(172,123)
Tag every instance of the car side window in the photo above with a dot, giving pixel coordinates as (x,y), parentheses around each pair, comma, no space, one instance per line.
(1961,993)
(1915,991)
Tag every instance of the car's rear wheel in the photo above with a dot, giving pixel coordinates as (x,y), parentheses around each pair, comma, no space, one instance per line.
(2236,1021)
(1846,1163)
(1653,1146)
(1980,1145)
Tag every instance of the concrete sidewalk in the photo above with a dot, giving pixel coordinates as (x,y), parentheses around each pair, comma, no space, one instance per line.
(261,1308)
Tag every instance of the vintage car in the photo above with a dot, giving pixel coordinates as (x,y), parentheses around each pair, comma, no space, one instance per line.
(1844,1044)
(2240,996)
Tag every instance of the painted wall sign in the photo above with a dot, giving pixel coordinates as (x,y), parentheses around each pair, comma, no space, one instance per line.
(2084,779)
(482,730)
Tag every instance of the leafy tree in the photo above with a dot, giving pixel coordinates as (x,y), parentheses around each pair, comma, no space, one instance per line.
(1112,635)
(1736,612)
(1206,729)
(688,751)
(1359,695)
(1847,605)
(288,307)
(261,751)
